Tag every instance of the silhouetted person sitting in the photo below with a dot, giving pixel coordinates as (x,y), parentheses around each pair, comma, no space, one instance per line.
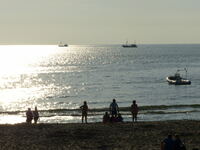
(29,116)
(106,118)
(168,143)
(113,119)
(35,115)
(114,109)
(84,109)
(178,144)
(119,118)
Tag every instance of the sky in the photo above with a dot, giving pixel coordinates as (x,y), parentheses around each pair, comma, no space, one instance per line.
(99,21)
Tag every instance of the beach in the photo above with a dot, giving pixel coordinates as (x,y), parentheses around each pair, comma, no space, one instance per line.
(74,136)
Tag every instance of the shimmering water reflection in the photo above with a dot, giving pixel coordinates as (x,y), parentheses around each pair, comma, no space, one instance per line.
(54,78)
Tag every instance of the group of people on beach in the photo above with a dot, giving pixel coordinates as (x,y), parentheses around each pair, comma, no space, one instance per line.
(32,115)
(114,115)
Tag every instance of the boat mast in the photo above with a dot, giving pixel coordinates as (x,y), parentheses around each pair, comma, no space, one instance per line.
(185,72)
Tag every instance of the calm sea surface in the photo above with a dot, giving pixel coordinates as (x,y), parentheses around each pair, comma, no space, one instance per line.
(57,80)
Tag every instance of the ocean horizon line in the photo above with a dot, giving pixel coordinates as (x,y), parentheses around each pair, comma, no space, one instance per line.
(91,44)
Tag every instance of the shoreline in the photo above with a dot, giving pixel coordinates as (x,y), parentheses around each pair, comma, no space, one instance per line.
(103,109)
(146,113)
(140,135)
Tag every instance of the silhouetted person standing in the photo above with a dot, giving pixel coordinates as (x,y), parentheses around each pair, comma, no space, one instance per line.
(84,109)
(29,116)
(35,115)
(134,111)
(114,109)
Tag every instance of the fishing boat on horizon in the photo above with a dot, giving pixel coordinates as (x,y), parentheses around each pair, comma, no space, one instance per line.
(129,45)
(62,45)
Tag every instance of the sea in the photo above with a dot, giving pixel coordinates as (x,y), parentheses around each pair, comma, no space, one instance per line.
(59,79)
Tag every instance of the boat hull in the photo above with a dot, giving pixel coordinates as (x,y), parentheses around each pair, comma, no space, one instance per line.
(130,46)
(173,80)
(65,45)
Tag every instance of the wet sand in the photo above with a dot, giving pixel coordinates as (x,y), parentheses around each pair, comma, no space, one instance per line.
(137,136)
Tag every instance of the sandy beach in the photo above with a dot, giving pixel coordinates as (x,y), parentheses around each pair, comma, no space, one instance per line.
(138,136)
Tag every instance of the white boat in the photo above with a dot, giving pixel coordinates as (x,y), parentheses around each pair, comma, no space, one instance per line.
(177,79)
(62,45)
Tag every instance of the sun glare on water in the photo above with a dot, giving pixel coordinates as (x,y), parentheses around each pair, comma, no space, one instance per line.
(17,61)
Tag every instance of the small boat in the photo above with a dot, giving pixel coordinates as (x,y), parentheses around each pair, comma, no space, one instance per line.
(129,45)
(62,45)
(177,79)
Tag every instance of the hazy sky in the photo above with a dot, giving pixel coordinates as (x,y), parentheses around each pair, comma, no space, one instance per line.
(99,21)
